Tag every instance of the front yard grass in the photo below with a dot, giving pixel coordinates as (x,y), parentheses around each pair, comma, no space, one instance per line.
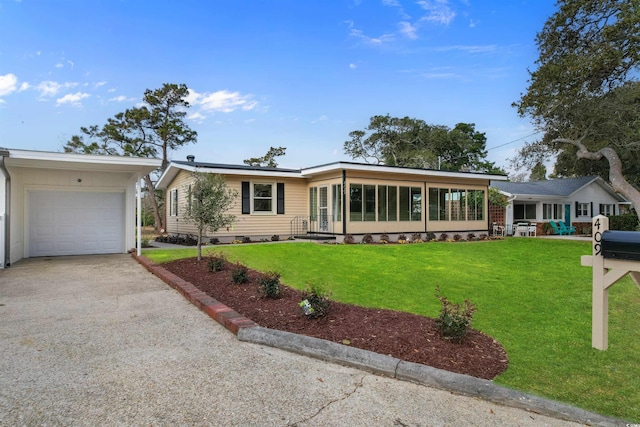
(532,295)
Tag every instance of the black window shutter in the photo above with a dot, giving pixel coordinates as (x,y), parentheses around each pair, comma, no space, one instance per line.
(246,198)
(601,209)
(280,198)
(591,211)
(576,209)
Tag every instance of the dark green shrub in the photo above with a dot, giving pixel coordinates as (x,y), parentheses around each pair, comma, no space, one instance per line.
(416,238)
(239,274)
(454,319)
(384,238)
(275,238)
(367,238)
(431,236)
(246,239)
(457,237)
(214,240)
(270,285)
(471,236)
(348,240)
(484,236)
(216,263)
(315,302)
(443,237)
(627,222)
(402,237)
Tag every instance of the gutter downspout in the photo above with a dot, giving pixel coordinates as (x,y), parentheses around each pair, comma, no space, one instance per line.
(7,208)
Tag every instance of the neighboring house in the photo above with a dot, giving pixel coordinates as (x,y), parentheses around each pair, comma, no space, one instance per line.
(335,199)
(572,200)
(67,204)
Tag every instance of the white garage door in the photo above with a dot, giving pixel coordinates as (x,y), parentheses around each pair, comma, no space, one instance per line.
(75,223)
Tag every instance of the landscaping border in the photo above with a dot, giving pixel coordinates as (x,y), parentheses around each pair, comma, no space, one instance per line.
(247,330)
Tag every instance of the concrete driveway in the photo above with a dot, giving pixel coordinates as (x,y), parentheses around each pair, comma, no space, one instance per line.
(100,341)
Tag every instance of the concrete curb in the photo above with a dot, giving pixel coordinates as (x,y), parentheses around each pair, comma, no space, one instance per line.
(248,331)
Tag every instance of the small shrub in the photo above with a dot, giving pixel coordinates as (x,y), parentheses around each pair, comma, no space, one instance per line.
(457,237)
(471,236)
(367,238)
(384,238)
(270,285)
(348,240)
(216,263)
(443,237)
(214,241)
(454,319)
(315,302)
(431,237)
(402,239)
(628,222)
(239,274)
(246,239)
(275,238)
(145,242)
(416,238)
(236,242)
(484,236)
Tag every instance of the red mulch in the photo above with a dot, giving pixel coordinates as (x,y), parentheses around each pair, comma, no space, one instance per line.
(405,336)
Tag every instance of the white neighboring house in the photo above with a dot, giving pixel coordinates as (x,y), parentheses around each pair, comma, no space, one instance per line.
(572,200)
(54,204)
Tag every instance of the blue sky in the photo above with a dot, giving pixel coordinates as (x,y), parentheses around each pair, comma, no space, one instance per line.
(300,74)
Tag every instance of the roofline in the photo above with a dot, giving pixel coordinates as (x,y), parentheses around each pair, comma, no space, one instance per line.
(310,171)
(81,158)
(224,169)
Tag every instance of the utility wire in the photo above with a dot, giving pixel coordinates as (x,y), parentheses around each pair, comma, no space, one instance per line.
(515,140)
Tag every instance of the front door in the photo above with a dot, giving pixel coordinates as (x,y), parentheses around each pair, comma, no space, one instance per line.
(567,214)
(323,208)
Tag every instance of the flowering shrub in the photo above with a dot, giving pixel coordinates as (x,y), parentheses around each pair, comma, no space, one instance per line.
(454,319)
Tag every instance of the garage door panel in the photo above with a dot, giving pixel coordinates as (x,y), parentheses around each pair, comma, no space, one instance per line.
(75,223)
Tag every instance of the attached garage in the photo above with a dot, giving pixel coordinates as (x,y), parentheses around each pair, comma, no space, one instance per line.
(54,204)
(75,223)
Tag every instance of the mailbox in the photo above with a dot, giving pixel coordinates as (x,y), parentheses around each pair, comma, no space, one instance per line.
(621,245)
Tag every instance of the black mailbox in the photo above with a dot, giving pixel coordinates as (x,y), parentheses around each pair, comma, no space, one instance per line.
(621,245)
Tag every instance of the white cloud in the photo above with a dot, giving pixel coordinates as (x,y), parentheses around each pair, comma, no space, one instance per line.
(439,11)
(51,88)
(197,117)
(469,48)
(24,86)
(222,101)
(59,65)
(8,84)
(72,98)
(376,41)
(100,84)
(322,118)
(121,98)
(408,30)
(353,66)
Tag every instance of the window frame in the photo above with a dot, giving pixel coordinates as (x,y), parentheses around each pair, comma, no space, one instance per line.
(173,202)
(272,197)
(582,209)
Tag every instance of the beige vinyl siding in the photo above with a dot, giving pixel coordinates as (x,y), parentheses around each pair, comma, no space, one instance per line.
(254,225)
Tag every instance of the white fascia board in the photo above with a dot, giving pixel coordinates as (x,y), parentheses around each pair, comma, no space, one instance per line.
(83,158)
(308,172)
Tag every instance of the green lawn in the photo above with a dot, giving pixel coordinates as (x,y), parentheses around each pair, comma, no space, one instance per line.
(533,296)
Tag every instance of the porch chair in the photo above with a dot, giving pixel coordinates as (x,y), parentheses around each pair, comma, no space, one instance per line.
(533,229)
(557,229)
(567,229)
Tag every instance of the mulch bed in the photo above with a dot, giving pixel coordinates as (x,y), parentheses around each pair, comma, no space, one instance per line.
(405,336)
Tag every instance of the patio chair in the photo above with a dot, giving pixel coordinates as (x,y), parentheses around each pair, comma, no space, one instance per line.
(567,229)
(532,230)
(557,229)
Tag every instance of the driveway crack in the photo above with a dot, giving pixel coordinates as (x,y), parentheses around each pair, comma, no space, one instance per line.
(347,395)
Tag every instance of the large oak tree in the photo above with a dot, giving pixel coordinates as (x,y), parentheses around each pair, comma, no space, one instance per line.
(411,142)
(151,130)
(584,94)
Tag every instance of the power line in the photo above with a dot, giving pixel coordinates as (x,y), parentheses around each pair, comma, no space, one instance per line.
(515,140)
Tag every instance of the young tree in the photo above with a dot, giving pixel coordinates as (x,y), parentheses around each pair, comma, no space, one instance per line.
(585,95)
(151,130)
(209,200)
(268,160)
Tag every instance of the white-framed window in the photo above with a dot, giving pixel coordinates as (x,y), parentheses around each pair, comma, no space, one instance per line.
(582,209)
(173,202)
(524,211)
(263,197)
(552,211)
(606,209)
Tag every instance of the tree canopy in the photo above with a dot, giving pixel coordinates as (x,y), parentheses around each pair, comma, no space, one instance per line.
(412,142)
(151,130)
(584,94)
(268,160)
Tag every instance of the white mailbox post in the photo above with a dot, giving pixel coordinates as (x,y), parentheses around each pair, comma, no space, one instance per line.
(606,272)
